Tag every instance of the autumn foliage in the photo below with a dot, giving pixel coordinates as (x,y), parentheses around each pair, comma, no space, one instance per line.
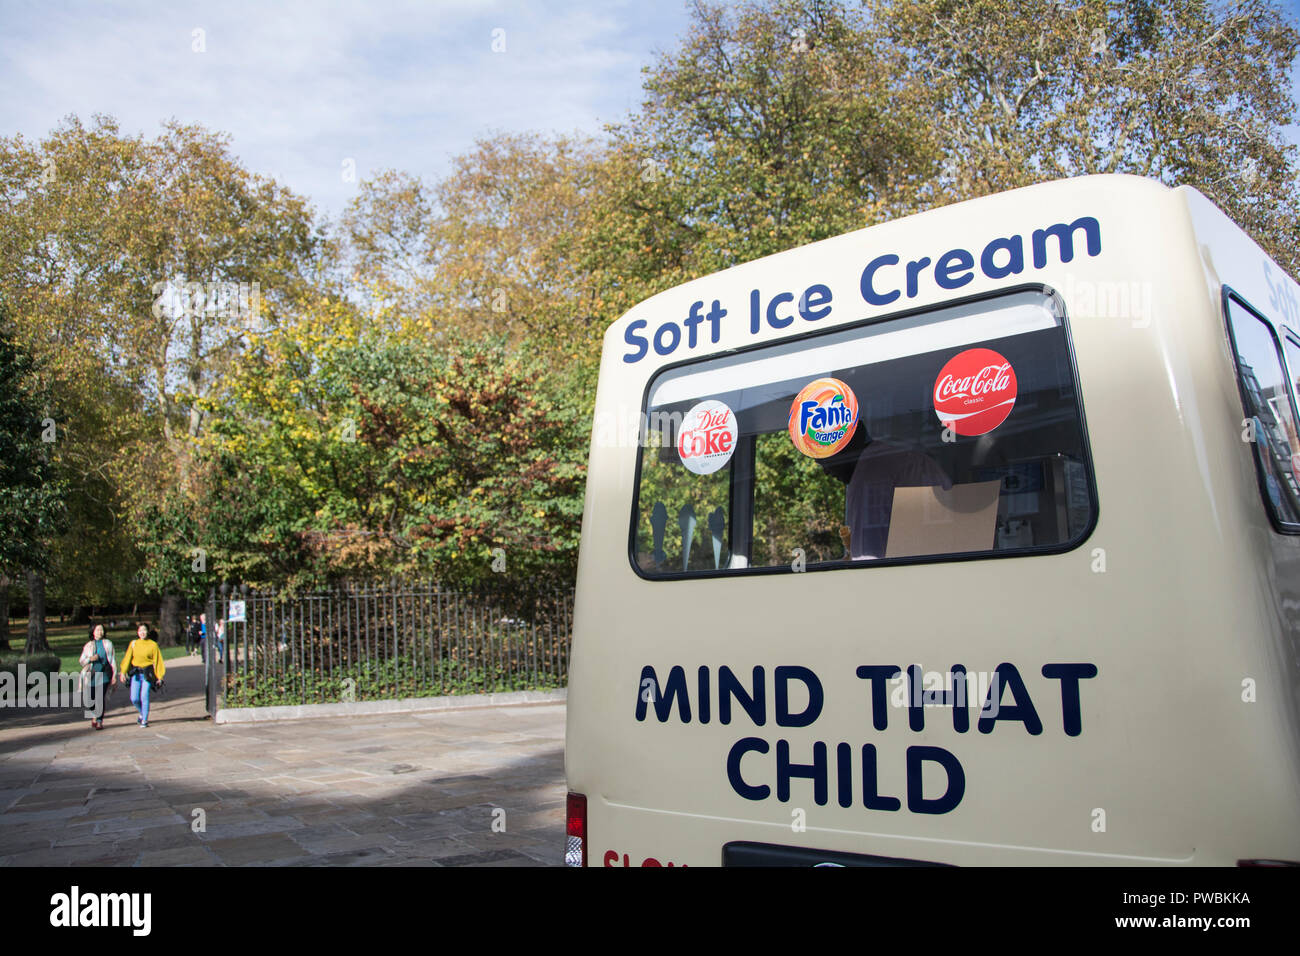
(412,396)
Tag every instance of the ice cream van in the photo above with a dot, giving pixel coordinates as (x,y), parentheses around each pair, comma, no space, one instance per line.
(967,538)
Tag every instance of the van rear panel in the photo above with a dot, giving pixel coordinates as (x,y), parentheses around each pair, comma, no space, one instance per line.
(1033,650)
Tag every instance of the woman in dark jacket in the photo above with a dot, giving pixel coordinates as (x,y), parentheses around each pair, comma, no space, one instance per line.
(97,670)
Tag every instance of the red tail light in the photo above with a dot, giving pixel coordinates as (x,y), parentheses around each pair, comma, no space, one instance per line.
(575,838)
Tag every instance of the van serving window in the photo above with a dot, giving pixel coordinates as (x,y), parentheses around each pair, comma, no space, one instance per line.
(955,432)
(1270,422)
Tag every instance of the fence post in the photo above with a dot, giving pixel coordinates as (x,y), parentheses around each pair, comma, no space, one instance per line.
(212,640)
(209,686)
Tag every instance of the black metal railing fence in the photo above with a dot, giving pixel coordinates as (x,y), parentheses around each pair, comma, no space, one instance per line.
(382,641)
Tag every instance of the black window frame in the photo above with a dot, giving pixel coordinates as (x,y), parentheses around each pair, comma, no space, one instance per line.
(1292,336)
(1230,296)
(1094,504)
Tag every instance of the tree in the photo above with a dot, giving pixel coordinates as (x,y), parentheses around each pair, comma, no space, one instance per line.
(6,589)
(1184,91)
(151,262)
(31,491)
(779,122)
(282,431)
(773,125)
(488,251)
(59,283)
(345,454)
(477,452)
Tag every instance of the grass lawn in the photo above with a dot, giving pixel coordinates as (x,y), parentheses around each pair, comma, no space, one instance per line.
(67,640)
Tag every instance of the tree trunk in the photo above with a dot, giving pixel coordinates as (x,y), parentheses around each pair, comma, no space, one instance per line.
(36,642)
(4,612)
(169,620)
(80,614)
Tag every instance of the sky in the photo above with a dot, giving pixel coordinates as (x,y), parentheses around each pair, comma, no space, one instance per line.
(304,87)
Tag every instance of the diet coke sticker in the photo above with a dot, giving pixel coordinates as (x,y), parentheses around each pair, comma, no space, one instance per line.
(707,437)
(975,392)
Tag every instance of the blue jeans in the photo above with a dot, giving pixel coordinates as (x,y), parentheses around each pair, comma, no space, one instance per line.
(140,695)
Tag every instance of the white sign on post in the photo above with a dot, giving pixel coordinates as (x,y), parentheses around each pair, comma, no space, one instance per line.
(236,612)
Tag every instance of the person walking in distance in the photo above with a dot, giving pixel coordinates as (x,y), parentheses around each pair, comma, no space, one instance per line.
(97,669)
(144,665)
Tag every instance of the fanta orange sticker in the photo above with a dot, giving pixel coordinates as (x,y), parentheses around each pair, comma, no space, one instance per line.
(823,417)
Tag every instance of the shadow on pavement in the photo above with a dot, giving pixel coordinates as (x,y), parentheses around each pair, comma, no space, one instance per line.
(474,787)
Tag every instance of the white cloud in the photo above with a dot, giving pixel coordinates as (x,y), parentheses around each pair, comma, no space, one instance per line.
(301,86)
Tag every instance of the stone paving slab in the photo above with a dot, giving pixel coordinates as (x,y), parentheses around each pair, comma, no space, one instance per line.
(390,789)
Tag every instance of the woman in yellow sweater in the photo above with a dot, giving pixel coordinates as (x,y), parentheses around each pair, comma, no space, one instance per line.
(144,666)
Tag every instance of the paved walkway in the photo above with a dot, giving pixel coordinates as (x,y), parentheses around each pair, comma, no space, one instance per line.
(405,789)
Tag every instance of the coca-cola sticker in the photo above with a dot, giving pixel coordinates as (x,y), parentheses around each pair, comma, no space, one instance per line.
(975,392)
(707,437)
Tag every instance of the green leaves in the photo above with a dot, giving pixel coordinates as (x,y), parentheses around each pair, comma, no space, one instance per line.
(32,491)
(119,255)
(414,395)
(1185,91)
(401,457)
(773,125)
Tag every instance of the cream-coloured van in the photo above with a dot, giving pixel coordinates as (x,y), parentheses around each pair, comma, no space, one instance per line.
(968,538)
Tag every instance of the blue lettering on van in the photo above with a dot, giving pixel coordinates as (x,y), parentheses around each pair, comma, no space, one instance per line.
(952,793)
(1282,303)
(632,336)
(1001,258)
(1022,710)
(871,796)
(669,335)
(878,674)
(815,771)
(738,750)
(746,777)
(885,279)
(781,683)
(1064,236)
(1069,675)
(918,699)
(753,703)
(807,768)
(869,278)
(650,692)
